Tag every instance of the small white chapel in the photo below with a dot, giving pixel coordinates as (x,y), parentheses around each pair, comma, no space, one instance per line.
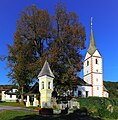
(92,82)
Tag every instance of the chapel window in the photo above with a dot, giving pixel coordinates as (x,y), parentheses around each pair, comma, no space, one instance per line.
(48,85)
(42,85)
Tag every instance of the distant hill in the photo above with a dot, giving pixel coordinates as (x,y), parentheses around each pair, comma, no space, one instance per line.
(112,87)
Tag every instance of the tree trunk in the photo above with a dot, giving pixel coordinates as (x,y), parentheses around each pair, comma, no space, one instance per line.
(22,97)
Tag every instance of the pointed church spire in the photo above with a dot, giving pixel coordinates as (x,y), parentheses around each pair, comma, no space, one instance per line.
(46,70)
(92,46)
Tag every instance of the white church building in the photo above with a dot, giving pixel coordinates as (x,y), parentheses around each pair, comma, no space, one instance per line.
(93,72)
(90,85)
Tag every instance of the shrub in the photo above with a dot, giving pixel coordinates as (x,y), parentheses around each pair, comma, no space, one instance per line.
(102,107)
(46,111)
(103,112)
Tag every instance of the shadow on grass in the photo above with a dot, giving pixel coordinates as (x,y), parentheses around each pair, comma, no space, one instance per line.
(72,116)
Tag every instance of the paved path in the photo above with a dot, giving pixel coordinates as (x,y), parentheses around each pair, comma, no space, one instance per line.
(14,108)
(10,108)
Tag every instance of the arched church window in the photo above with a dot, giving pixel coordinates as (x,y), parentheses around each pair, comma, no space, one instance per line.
(42,85)
(96,61)
(87,63)
(49,85)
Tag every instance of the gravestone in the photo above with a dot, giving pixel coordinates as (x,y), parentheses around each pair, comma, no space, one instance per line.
(73,104)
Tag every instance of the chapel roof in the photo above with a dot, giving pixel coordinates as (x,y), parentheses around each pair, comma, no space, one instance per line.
(46,70)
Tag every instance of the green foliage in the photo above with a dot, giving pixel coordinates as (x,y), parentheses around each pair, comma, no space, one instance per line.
(23,59)
(64,50)
(102,107)
(112,88)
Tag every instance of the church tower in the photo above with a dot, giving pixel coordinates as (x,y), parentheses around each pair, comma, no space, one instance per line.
(93,73)
(45,85)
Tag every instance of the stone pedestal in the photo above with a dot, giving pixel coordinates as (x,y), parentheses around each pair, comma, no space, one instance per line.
(73,104)
(60,106)
(35,102)
(45,99)
(28,102)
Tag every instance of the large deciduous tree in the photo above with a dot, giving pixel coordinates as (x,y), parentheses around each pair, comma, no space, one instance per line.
(38,37)
(24,59)
(64,51)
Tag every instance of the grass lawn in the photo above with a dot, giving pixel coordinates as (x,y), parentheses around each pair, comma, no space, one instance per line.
(16,115)
(24,115)
(12,104)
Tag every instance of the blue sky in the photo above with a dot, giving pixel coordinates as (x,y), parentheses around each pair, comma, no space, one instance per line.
(105,26)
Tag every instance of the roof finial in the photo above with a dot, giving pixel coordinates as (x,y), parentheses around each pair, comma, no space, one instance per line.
(91,22)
